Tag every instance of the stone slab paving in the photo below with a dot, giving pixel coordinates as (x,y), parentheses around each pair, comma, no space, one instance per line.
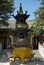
(4,57)
(4,63)
(27,63)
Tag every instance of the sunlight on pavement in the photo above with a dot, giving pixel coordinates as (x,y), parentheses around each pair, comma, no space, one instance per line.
(4,63)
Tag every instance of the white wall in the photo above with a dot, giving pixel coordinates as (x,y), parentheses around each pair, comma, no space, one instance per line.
(41,50)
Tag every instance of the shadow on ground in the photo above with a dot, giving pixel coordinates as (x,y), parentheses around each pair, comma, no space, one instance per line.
(27,62)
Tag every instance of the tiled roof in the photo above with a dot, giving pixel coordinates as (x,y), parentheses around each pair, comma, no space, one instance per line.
(12,24)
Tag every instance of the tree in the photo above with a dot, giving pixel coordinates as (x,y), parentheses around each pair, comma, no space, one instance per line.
(39,18)
(6,9)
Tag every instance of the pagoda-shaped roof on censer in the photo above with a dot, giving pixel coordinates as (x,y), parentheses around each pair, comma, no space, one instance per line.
(20,15)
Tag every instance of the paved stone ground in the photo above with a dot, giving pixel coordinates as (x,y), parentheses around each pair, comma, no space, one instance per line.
(4,57)
(37,60)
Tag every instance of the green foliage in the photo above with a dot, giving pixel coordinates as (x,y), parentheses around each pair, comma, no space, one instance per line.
(39,19)
(6,9)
